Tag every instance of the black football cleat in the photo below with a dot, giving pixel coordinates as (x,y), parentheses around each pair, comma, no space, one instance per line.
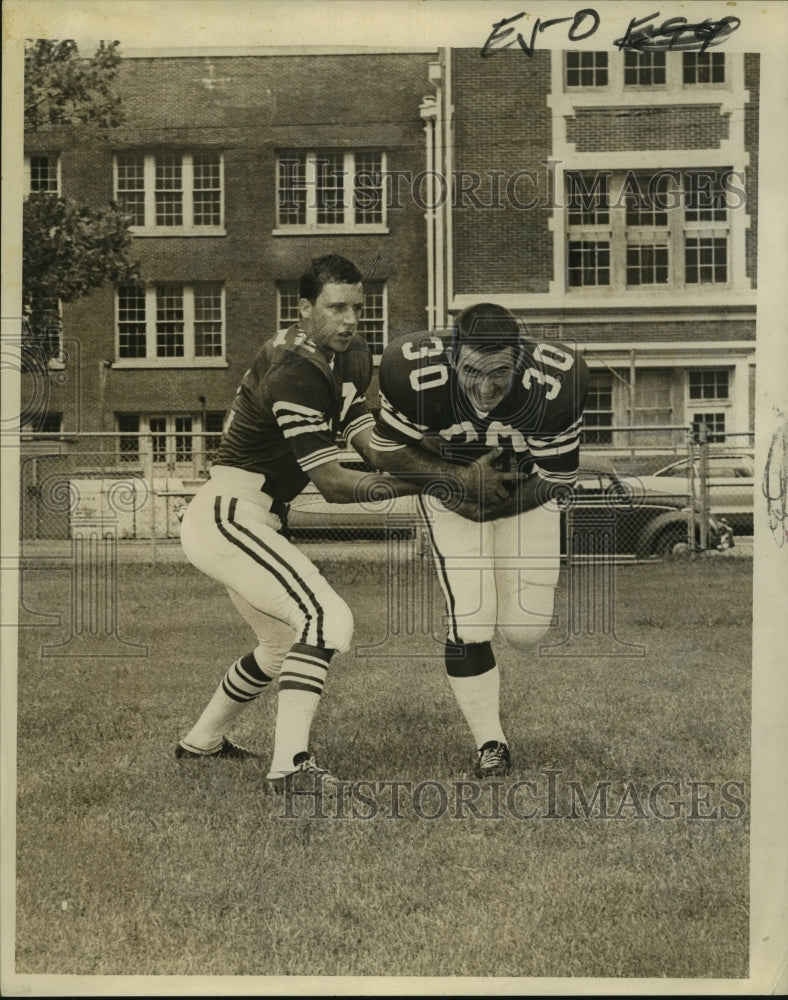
(306,777)
(227,751)
(493,760)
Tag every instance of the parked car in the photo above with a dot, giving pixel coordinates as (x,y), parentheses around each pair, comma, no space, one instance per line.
(642,523)
(608,513)
(731,479)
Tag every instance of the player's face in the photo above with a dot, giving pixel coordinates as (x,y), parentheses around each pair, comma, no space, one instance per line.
(486,376)
(331,320)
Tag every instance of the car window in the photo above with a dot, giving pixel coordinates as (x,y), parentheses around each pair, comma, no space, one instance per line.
(729,469)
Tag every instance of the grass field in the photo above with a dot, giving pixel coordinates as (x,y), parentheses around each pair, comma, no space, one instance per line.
(129,862)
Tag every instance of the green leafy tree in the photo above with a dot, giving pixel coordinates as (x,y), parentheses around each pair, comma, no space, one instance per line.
(63,88)
(68,248)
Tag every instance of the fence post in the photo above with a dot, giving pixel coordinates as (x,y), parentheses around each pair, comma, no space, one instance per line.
(703,473)
(691,479)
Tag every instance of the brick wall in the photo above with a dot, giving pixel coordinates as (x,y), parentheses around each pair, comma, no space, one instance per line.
(502,123)
(691,126)
(248,107)
(687,331)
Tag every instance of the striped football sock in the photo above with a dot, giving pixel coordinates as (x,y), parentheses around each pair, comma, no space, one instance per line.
(300,686)
(244,681)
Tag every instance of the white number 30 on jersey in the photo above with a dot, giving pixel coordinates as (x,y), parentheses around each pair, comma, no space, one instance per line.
(548,354)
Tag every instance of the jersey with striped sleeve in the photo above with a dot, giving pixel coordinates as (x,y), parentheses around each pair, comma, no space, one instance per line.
(290,406)
(537,424)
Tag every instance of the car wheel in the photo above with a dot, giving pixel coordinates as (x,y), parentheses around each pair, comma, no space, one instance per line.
(671,543)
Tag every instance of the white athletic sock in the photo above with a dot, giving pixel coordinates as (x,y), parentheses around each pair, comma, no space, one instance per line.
(479,701)
(243,682)
(300,686)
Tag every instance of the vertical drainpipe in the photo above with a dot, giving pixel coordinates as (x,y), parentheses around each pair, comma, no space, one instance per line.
(448,119)
(427,111)
(439,201)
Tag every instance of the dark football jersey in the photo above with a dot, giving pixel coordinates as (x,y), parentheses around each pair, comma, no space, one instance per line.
(537,424)
(289,408)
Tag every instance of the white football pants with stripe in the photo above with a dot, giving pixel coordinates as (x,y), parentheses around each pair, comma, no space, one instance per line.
(232,537)
(496,573)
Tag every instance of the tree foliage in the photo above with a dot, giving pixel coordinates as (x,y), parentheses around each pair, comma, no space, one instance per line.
(63,88)
(68,249)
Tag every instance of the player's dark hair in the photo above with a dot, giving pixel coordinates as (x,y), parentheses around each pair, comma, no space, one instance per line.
(485,326)
(330,269)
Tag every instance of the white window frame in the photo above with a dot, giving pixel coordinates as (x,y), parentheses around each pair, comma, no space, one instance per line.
(384,291)
(710,85)
(649,54)
(673,232)
(150,228)
(189,359)
(574,87)
(588,431)
(349,225)
(616,87)
(27,180)
(716,405)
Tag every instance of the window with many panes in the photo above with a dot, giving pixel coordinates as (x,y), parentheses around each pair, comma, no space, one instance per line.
(171,191)
(598,412)
(709,383)
(372,323)
(704,67)
(287,298)
(585,69)
(714,423)
(708,399)
(42,174)
(330,188)
(170,323)
(182,441)
(667,229)
(644,69)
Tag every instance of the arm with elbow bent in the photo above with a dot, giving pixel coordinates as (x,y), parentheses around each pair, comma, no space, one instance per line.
(340,485)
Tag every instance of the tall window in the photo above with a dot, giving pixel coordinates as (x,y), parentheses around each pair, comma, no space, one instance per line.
(287,311)
(708,399)
(586,69)
(324,188)
(588,216)
(668,229)
(644,69)
(598,412)
(169,323)
(373,322)
(171,191)
(42,174)
(704,67)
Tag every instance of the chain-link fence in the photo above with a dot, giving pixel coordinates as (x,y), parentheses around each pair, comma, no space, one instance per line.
(650,492)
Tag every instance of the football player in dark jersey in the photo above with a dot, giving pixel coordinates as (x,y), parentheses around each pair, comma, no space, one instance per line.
(495,420)
(306,384)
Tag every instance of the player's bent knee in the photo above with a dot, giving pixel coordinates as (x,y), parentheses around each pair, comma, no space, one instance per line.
(525,637)
(337,624)
(526,617)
